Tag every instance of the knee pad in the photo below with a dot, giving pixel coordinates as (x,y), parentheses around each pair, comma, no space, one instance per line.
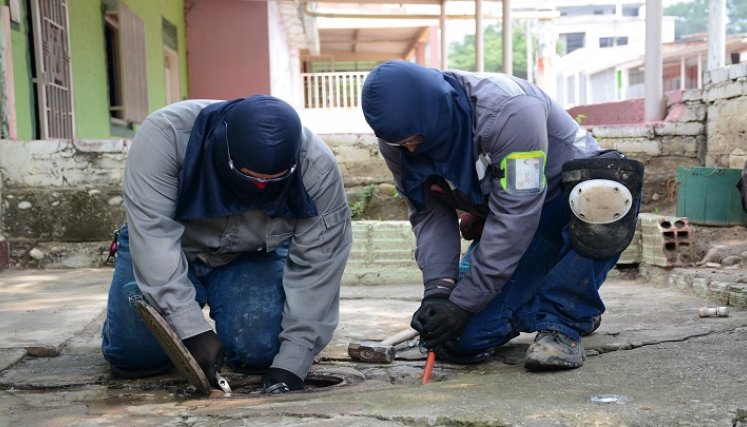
(604,195)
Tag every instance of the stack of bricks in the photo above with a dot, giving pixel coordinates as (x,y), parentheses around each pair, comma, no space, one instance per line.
(665,240)
(632,254)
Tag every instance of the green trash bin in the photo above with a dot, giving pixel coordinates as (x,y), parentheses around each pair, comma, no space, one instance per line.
(709,196)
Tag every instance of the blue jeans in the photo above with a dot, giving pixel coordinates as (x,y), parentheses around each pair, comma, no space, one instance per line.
(245,297)
(553,287)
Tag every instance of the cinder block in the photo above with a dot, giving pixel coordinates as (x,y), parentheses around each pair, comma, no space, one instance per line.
(664,240)
(383,252)
(738,296)
(719,74)
(692,95)
(679,128)
(700,286)
(738,70)
(632,254)
(681,281)
(718,292)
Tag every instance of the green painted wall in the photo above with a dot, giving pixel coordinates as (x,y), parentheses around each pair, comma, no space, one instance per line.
(90,87)
(24,90)
(152,13)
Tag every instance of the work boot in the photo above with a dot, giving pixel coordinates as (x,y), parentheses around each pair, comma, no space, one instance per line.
(595,322)
(553,350)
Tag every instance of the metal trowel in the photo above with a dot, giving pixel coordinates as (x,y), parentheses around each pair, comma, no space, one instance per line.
(177,352)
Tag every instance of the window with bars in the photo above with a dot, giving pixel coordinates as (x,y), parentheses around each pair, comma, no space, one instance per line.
(52,81)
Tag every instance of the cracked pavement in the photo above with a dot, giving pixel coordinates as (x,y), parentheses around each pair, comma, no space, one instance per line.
(652,362)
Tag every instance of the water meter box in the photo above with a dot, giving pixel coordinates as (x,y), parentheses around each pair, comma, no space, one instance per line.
(709,196)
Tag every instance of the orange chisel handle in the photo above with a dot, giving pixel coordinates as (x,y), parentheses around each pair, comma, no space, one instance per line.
(429,362)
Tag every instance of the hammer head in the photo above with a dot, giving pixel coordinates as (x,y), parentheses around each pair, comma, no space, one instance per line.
(371,351)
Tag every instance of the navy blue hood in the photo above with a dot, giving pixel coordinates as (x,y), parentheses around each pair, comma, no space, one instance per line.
(401,99)
(263,135)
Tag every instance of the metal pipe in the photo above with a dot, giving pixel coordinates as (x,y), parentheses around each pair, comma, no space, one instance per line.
(653,73)
(508,66)
(519,15)
(530,55)
(479,51)
(442,27)
(716,34)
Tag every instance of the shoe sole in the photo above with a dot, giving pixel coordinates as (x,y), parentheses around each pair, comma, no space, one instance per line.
(550,365)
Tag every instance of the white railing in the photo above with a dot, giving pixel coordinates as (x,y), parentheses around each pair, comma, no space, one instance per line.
(333,90)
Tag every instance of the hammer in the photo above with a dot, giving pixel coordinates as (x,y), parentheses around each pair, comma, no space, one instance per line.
(379,351)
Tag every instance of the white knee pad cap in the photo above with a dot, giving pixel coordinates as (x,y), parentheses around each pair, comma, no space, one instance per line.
(600,201)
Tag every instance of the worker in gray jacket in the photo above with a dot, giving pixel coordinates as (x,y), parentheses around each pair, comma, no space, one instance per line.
(234,205)
(549,211)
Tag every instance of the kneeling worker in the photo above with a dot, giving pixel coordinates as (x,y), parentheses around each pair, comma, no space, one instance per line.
(557,210)
(234,205)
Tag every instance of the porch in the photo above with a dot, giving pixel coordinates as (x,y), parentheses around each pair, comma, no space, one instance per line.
(332,102)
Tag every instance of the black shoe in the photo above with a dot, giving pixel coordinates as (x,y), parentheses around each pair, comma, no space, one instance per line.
(553,350)
(595,322)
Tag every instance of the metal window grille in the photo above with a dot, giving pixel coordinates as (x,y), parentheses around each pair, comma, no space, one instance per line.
(53,83)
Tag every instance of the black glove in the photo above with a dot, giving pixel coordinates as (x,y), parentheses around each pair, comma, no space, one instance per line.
(439,320)
(278,380)
(207,349)
(471,225)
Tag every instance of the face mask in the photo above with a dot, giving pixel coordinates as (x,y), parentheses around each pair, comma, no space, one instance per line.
(260,185)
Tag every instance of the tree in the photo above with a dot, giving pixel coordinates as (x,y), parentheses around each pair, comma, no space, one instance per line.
(462,54)
(692,17)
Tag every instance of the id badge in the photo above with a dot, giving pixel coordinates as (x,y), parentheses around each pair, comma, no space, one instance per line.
(524,172)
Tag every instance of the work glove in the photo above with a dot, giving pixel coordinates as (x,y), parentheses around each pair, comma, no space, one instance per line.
(470,226)
(207,349)
(278,380)
(439,320)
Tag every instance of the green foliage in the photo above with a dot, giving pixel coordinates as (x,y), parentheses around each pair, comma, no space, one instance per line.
(580,118)
(692,17)
(358,206)
(462,54)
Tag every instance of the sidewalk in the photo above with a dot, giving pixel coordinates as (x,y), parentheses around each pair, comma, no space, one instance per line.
(652,362)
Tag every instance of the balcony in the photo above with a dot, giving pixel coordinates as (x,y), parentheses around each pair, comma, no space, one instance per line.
(332,102)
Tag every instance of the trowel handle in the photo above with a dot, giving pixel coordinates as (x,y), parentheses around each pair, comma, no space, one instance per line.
(400,337)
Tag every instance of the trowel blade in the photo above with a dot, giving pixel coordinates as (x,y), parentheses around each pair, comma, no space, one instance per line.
(174,348)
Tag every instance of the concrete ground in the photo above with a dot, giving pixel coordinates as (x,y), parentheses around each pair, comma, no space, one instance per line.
(652,362)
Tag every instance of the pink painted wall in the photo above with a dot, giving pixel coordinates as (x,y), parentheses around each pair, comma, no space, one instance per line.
(630,111)
(227,48)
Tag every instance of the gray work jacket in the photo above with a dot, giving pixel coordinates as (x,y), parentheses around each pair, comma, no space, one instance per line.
(162,246)
(510,116)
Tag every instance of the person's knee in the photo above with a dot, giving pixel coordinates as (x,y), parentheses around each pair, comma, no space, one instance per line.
(252,351)
(473,341)
(141,353)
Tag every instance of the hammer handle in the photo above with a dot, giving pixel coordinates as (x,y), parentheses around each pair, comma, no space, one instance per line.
(400,337)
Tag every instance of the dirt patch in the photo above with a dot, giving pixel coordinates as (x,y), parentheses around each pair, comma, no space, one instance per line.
(725,246)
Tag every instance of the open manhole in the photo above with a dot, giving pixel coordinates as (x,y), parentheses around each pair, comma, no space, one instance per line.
(316,380)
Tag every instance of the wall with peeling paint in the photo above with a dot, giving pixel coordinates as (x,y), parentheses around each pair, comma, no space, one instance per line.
(89,63)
